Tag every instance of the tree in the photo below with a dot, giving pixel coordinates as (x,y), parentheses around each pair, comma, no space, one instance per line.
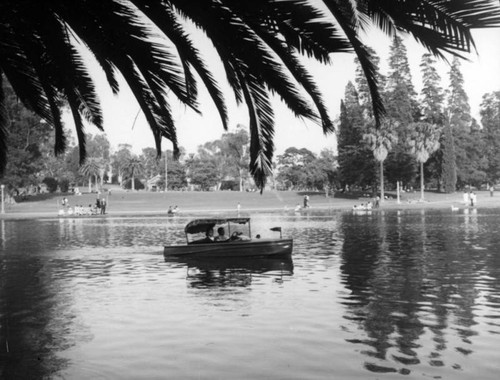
(402,107)
(401,97)
(469,167)
(28,139)
(458,108)
(292,167)
(448,165)
(235,148)
(424,141)
(177,176)
(258,43)
(152,165)
(432,111)
(356,163)
(328,164)
(119,158)
(91,168)
(432,92)
(490,119)
(381,140)
(203,172)
(132,168)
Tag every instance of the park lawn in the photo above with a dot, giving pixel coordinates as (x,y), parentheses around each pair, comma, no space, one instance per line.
(122,202)
(159,202)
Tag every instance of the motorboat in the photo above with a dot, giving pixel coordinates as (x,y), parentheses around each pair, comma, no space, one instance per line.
(238,243)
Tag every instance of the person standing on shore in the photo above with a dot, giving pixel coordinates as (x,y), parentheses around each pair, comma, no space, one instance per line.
(466,197)
(473,199)
(306,201)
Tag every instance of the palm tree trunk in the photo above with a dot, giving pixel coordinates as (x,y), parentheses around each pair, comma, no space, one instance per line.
(90,183)
(422,181)
(381,181)
(133,183)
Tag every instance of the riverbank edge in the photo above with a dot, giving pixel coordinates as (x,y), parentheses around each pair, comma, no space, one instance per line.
(336,205)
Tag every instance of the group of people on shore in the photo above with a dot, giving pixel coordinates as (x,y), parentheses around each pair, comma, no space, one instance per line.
(368,206)
(470,198)
(99,208)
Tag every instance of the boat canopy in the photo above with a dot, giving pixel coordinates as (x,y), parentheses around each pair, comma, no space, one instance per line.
(201,225)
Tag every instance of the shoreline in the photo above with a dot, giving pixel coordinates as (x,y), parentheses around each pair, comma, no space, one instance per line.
(130,204)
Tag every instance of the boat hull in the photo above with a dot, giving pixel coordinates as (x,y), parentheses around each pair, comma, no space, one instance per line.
(252,248)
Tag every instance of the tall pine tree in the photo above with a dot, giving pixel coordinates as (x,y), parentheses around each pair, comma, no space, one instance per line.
(459,117)
(448,168)
(432,96)
(402,108)
(490,119)
(458,108)
(432,108)
(356,163)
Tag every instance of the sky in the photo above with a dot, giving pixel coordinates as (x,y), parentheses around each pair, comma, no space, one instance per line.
(125,124)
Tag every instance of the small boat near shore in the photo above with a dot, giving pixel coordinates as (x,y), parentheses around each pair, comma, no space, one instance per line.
(238,243)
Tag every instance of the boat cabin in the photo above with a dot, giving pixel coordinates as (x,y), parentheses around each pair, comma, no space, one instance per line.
(197,231)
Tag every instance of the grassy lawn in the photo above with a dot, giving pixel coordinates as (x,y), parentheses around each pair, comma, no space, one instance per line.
(128,202)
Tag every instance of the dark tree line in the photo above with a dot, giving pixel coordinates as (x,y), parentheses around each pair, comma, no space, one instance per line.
(431,138)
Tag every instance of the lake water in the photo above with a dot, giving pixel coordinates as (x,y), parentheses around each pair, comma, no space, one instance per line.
(410,294)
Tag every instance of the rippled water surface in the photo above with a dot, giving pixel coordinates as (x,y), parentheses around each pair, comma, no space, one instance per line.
(384,295)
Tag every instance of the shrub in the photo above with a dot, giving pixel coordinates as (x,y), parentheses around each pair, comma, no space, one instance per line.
(127,184)
(64,185)
(51,184)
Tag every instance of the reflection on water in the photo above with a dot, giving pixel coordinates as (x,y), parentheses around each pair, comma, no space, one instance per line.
(418,290)
(230,272)
(414,293)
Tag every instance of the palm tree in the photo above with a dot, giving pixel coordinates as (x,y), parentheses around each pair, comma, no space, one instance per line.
(91,167)
(259,43)
(132,168)
(424,140)
(380,141)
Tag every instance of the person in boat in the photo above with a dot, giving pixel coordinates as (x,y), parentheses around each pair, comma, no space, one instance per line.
(221,235)
(209,237)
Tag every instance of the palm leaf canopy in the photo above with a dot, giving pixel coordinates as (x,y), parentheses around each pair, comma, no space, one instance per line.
(424,140)
(259,43)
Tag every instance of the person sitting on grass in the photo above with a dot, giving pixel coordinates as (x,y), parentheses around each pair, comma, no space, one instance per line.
(221,234)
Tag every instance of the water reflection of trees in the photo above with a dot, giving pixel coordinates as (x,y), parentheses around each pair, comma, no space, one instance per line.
(408,275)
(31,325)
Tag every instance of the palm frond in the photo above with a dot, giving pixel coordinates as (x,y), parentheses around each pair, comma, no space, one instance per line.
(165,18)
(261,129)
(346,17)
(237,41)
